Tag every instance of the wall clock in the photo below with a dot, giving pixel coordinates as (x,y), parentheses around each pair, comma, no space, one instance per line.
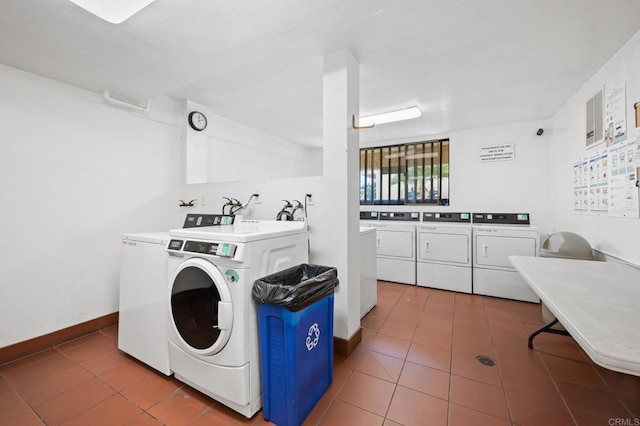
(197,121)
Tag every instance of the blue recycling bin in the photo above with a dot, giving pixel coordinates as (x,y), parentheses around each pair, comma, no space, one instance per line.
(296,346)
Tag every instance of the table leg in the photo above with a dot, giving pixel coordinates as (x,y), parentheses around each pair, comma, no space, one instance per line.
(546,329)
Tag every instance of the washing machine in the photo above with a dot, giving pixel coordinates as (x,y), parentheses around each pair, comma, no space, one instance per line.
(143,317)
(444,251)
(396,246)
(496,236)
(212,336)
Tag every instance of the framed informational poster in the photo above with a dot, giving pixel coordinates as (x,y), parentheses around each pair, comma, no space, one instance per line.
(594,112)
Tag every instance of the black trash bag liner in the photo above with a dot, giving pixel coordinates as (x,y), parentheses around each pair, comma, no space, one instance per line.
(296,287)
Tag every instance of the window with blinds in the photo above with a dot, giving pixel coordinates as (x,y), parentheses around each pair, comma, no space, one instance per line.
(416,173)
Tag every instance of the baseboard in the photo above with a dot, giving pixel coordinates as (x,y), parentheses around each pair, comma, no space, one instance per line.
(346,346)
(41,343)
(21,349)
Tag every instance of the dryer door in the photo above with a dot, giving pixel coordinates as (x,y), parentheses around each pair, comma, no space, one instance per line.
(201,309)
(444,247)
(494,251)
(398,244)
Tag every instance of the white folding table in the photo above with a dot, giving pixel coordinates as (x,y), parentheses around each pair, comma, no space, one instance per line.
(597,302)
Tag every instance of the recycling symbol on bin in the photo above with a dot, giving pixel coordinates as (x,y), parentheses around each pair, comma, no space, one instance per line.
(313,336)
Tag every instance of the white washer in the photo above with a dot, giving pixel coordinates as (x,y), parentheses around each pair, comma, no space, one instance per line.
(496,236)
(396,246)
(444,251)
(143,316)
(142,331)
(213,338)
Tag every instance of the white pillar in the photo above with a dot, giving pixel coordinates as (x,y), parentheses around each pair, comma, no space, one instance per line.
(341,98)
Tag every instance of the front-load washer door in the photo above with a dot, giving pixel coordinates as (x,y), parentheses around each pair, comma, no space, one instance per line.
(201,308)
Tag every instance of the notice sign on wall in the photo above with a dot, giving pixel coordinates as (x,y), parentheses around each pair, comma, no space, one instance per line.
(497,153)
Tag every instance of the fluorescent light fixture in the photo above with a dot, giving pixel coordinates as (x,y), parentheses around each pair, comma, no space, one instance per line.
(390,117)
(114,11)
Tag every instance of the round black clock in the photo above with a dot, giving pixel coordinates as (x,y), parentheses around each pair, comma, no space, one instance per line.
(197,121)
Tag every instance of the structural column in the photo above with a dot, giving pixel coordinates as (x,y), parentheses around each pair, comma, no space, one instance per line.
(341,98)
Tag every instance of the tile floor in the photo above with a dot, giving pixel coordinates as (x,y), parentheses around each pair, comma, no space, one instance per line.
(415,366)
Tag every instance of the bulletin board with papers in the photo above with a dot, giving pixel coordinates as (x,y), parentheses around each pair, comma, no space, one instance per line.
(605,181)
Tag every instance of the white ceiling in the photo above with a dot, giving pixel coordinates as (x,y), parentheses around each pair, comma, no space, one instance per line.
(465,63)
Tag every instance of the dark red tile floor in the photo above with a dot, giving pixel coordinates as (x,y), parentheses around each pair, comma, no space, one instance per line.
(416,365)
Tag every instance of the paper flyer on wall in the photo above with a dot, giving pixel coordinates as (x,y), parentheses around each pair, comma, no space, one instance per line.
(636,153)
(624,194)
(581,186)
(615,130)
(604,183)
(599,183)
(636,165)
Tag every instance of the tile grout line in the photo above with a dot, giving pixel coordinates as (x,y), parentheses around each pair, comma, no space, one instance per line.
(396,303)
(451,364)
(93,376)
(502,384)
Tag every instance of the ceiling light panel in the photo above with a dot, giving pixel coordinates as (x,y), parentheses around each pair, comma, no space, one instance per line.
(113,11)
(391,116)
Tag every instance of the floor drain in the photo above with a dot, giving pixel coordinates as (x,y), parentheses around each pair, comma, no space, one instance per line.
(485,360)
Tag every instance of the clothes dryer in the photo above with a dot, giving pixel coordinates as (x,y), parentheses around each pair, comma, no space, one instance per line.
(444,251)
(368,275)
(142,331)
(496,236)
(369,218)
(143,317)
(368,268)
(212,336)
(396,246)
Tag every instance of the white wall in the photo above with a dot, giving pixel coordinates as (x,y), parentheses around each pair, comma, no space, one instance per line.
(520,185)
(332,241)
(321,215)
(613,236)
(228,151)
(76,174)
(341,154)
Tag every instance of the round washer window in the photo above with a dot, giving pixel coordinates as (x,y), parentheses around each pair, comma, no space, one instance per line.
(194,307)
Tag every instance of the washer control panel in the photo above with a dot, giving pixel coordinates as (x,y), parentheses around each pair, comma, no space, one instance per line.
(369,215)
(502,218)
(407,216)
(203,247)
(446,217)
(199,220)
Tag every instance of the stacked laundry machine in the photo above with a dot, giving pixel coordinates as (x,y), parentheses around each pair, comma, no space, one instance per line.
(185,300)
(457,251)
(444,251)
(143,316)
(395,244)
(496,236)
(213,327)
